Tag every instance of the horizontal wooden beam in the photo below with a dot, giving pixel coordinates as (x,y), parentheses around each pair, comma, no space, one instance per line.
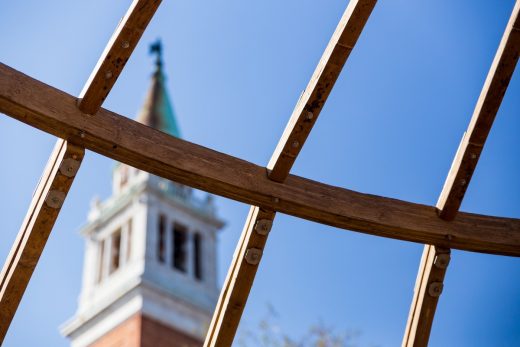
(311,101)
(36,227)
(135,144)
(116,54)
(486,109)
(428,288)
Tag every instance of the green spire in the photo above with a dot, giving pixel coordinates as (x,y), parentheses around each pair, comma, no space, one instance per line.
(157,111)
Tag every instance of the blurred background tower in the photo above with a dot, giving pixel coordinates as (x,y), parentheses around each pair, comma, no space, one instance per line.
(149,276)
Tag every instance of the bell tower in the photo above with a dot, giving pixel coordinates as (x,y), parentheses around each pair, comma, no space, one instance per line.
(149,276)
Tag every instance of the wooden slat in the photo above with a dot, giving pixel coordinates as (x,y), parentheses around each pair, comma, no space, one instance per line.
(132,143)
(36,227)
(237,286)
(116,54)
(423,307)
(239,280)
(486,109)
(315,95)
(428,288)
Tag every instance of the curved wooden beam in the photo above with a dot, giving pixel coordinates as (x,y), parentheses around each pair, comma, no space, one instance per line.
(130,142)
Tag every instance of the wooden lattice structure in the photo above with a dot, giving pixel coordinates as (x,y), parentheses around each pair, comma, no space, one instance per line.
(81,124)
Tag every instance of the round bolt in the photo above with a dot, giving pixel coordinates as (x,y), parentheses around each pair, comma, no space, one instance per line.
(276,200)
(253,256)
(55,199)
(82,134)
(463,182)
(125,44)
(473,156)
(108,75)
(435,289)
(295,144)
(442,260)
(309,116)
(69,167)
(263,226)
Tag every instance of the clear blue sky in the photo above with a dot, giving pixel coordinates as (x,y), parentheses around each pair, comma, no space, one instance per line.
(235,70)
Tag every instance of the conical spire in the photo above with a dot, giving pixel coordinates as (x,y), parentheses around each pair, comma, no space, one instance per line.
(157,111)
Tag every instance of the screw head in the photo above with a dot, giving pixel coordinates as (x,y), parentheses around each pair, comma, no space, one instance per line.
(108,75)
(309,115)
(295,144)
(125,44)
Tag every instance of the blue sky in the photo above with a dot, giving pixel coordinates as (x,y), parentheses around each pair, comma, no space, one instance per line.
(235,71)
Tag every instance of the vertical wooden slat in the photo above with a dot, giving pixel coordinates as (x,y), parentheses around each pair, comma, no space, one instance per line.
(313,98)
(116,54)
(241,275)
(424,304)
(428,288)
(36,227)
(486,109)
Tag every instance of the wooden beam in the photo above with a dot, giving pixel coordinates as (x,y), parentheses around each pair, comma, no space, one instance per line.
(116,54)
(311,101)
(241,275)
(486,109)
(428,288)
(135,144)
(36,227)
(430,274)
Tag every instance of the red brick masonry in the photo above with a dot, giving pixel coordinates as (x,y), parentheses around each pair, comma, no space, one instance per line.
(142,331)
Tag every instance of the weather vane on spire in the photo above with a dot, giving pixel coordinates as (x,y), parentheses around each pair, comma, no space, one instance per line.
(156,48)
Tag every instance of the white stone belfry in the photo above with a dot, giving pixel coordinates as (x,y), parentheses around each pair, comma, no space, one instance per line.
(150,248)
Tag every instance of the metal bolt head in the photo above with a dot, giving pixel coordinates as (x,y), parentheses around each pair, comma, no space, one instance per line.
(295,144)
(309,115)
(253,256)
(463,182)
(442,260)
(263,226)
(82,135)
(435,289)
(473,156)
(55,199)
(125,44)
(69,167)
(276,200)
(108,74)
